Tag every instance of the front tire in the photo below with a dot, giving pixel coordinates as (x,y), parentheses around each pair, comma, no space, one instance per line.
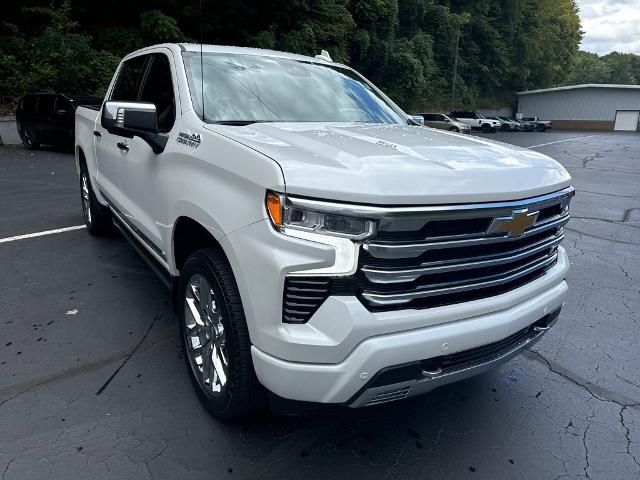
(486,128)
(216,338)
(96,217)
(454,129)
(541,128)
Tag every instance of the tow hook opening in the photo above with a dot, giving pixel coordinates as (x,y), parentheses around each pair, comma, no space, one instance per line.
(431,367)
(545,322)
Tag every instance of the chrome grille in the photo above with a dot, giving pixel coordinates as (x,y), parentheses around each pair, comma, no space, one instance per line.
(447,255)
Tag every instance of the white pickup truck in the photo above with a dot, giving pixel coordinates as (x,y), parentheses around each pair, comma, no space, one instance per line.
(320,247)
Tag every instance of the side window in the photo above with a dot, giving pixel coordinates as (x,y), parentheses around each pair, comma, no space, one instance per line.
(29,104)
(440,118)
(45,105)
(129,78)
(63,104)
(158,89)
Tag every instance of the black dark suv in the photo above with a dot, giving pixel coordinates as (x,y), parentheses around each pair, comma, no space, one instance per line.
(48,118)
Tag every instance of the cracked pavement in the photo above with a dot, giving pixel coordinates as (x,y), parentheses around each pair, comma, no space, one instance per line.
(570,408)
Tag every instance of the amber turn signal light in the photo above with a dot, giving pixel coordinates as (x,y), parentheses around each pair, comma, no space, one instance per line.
(274,207)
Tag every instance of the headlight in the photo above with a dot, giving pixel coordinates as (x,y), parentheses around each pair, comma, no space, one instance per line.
(285,215)
(321,222)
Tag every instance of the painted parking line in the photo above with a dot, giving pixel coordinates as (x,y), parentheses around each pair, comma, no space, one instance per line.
(41,234)
(560,141)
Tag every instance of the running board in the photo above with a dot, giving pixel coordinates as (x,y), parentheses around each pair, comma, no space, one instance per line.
(155,266)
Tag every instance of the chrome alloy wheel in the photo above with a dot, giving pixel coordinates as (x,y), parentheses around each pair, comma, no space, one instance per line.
(205,335)
(86,198)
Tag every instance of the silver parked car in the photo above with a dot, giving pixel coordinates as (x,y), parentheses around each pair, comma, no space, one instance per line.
(444,122)
(510,124)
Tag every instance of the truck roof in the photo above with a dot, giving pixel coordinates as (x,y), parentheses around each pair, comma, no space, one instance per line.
(262,52)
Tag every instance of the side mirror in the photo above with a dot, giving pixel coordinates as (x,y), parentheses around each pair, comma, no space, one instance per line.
(419,119)
(62,112)
(129,119)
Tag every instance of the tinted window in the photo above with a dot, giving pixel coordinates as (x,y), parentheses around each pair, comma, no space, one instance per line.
(29,104)
(63,104)
(158,89)
(45,105)
(428,117)
(129,78)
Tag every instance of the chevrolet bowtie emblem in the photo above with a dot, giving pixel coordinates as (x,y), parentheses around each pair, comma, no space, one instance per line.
(516,224)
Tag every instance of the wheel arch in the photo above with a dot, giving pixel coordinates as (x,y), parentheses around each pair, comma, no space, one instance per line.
(190,235)
(81,158)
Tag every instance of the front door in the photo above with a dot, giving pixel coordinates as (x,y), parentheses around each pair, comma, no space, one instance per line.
(142,171)
(126,88)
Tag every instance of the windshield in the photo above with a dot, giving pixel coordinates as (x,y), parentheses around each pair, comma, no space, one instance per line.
(242,88)
(480,115)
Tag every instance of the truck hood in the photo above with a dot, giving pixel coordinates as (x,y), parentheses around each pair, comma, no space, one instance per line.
(398,165)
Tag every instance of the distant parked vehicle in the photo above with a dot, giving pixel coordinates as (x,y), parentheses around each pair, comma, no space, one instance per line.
(540,125)
(444,122)
(49,118)
(477,120)
(524,126)
(510,124)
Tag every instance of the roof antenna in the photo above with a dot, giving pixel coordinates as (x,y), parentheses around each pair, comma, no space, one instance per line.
(204,117)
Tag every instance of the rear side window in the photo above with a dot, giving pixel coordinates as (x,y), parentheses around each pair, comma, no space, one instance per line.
(29,104)
(63,104)
(45,105)
(158,89)
(129,79)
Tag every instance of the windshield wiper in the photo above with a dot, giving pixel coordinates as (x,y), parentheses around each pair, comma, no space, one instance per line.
(240,123)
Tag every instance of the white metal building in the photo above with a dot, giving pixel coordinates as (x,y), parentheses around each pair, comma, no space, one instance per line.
(591,106)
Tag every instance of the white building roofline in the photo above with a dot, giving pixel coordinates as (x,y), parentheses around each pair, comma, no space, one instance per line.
(585,85)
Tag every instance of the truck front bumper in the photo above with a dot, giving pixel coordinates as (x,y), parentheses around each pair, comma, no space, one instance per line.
(356,381)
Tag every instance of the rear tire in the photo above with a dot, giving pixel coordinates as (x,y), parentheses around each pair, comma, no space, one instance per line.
(29,139)
(96,217)
(216,338)
(541,128)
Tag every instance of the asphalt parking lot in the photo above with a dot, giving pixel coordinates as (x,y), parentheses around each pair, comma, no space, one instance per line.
(92,383)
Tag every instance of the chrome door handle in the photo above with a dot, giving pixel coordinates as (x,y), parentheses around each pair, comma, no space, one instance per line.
(123,146)
(97,133)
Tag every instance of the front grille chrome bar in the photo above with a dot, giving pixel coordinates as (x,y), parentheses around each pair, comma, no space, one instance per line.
(405,250)
(395,275)
(388,299)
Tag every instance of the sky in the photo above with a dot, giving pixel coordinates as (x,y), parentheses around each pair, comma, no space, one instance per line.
(610,25)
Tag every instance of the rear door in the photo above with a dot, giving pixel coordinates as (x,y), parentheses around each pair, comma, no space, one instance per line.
(441,122)
(43,118)
(143,171)
(126,88)
(429,120)
(62,121)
